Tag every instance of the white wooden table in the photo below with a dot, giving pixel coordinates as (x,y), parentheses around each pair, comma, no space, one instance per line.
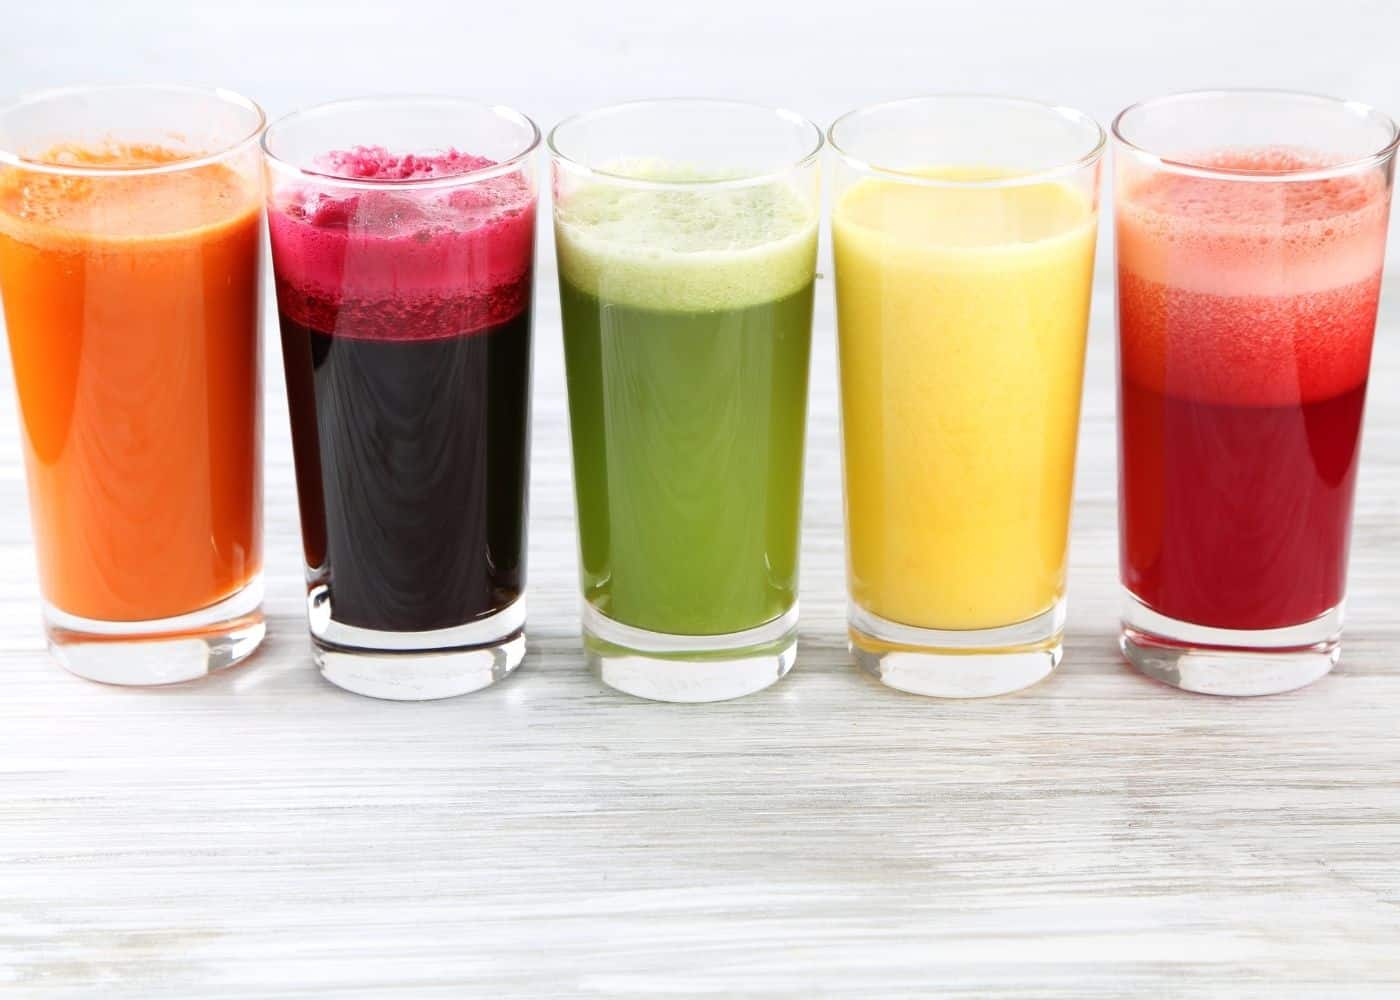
(262,833)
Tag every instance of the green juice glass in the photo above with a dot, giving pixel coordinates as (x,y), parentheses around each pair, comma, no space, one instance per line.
(687,240)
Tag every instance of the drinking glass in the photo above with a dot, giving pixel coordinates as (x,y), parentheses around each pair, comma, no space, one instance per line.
(1251,232)
(403,234)
(687,241)
(130,237)
(964,232)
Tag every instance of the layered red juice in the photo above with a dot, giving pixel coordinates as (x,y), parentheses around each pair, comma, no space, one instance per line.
(1246,310)
(405,316)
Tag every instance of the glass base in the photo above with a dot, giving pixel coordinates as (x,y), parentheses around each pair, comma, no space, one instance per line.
(159,651)
(966,663)
(416,666)
(689,668)
(1229,661)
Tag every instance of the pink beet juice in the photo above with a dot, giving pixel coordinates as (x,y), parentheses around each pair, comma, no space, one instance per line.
(1246,311)
(405,316)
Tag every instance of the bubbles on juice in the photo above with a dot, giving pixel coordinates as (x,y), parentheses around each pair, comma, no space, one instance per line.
(47,208)
(1254,289)
(695,244)
(403,262)
(404,210)
(1257,229)
(1246,350)
(377,163)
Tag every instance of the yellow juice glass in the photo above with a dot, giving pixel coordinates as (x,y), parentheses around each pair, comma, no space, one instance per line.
(964,232)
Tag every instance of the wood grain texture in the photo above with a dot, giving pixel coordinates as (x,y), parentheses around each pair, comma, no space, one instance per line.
(262,833)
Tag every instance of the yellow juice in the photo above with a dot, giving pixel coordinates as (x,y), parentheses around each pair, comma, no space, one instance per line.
(962,314)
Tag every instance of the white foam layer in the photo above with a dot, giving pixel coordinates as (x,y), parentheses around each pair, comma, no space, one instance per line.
(685,248)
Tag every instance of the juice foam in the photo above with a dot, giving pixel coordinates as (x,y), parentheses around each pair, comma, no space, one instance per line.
(1251,292)
(403,263)
(64,211)
(685,249)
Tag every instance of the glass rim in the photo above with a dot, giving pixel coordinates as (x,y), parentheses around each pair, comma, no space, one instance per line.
(718,184)
(9,157)
(1039,176)
(506,166)
(1359,110)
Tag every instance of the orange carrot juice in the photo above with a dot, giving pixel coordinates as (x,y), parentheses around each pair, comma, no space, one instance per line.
(131,302)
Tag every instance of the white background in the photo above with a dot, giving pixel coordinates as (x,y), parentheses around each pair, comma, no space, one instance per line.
(552,58)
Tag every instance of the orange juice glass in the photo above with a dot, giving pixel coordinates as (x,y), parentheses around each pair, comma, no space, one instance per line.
(130,238)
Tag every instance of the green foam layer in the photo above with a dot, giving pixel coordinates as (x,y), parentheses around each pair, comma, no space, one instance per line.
(685,249)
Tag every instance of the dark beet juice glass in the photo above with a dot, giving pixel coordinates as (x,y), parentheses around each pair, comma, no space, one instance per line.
(402,244)
(1250,236)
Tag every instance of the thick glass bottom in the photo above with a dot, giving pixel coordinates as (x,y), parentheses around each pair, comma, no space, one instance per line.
(1229,661)
(964,663)
(689,668)
(416,666)
(159,651)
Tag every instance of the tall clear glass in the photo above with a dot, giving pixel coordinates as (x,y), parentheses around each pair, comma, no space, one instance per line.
(1251,234)
(403,236)
(687,240)
(130,241)
(964,232)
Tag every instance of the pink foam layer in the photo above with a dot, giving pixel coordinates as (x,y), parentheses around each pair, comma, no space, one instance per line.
(1252,293)
(377,163)
(1258,237)
(403,263)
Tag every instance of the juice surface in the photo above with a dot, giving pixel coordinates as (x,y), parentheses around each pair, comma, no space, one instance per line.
(687,333)
(962,315)
(1246,315)
(131,305)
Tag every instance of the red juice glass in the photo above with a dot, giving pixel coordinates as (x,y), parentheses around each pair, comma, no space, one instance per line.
(402,234)
(1250,239)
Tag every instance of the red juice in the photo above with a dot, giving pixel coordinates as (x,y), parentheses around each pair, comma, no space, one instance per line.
(1246,310)
(405,321)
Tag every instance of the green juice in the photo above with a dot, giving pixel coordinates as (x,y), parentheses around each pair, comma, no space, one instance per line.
(687,333)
